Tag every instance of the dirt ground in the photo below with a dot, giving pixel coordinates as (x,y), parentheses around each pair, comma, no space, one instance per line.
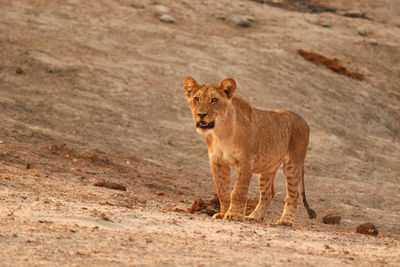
(91,91)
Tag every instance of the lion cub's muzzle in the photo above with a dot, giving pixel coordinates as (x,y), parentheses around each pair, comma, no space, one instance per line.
(205,125)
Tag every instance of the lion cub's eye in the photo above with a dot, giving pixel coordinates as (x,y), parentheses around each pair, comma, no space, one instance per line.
(196,99)
(214,100)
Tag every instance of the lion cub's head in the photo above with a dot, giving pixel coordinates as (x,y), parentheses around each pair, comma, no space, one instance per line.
(208,102)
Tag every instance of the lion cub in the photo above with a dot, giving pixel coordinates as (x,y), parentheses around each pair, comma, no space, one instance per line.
(252,141)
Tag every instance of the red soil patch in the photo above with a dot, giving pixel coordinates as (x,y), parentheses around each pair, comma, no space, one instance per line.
(305,6)
(332,64)
(197,205)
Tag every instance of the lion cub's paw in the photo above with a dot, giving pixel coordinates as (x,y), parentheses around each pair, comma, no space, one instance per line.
(285,222)
(234,217)
(218,216)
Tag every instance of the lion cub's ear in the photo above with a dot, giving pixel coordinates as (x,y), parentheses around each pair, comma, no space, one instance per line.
(190,85)
(228,85)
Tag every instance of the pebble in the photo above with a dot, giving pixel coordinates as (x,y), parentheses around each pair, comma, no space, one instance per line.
(138,6)
(362,32)
(331,219)
(244,21)
(162,9)
(354,14)
(19,70)
(325,23)
(367,229)
(220,17)
(167,18)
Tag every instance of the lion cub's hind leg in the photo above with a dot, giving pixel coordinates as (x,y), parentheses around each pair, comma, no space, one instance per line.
(266,186)
(293,179)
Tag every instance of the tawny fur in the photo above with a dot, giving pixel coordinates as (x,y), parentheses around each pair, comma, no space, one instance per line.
(253,141)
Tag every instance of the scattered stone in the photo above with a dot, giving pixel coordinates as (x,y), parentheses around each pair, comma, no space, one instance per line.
(211,210)
(167,18)
(362,32)
(355,14)
(110,185)
(162,9)
(19,70)
(204,211)
(331,219)
(326,246)
(138,6)
(367,229)
(105,218)
(220,17)
(325,23)
(178,210)
(243,21)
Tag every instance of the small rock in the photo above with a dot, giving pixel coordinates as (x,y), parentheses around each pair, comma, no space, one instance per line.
(105,218)
(244,21)
(167,18)
(325,23)
(367,229)
(210,211)
(220,17)
(19,70)
(178,210)
(162,9)
(355,14)
(138,6)
(362,32)
(204,211)
(331,219)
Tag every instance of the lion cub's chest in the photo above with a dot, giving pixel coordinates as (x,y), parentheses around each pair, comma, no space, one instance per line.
(224,151)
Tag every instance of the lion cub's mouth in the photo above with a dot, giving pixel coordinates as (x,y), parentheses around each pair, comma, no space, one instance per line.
(205,125)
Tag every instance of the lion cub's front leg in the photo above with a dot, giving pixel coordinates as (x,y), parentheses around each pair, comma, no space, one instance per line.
(221,172)
(237,209)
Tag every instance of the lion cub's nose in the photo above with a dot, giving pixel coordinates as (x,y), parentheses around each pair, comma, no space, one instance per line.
(201,115)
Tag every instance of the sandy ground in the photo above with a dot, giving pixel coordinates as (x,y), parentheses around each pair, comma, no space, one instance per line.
(99,97)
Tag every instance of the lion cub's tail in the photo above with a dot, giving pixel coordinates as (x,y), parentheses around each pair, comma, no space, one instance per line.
(311,213)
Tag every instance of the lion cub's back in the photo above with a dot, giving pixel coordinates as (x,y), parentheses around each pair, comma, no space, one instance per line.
(281,123)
